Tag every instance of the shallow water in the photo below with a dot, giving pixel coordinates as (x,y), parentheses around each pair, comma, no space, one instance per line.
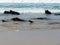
(52,22)
(37,25)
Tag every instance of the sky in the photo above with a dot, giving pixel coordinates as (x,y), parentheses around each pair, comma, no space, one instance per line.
(29,1)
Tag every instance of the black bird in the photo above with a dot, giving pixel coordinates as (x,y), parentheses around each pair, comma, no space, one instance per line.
(30,21)
(4,21)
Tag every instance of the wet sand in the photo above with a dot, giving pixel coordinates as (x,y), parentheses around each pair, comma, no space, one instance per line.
(43,37)
(37,25)
(41,32)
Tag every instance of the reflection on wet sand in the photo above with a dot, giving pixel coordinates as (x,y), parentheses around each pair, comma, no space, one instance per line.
(43,37)
(37,25)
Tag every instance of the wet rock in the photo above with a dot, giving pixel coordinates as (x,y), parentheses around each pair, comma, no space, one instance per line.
(47,12)
(6,12)
(11,12)
(17,19)
(41,18)
(57,14)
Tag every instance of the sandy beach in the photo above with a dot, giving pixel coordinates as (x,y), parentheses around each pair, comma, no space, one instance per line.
(41,32)
(45,29)
(43,37)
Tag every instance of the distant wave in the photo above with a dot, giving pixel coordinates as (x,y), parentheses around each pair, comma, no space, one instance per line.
(31,5)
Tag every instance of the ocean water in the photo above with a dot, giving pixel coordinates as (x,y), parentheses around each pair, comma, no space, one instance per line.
(35,9)
(30,11)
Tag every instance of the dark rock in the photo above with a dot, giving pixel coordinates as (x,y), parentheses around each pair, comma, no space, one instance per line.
(6,12)
(41,18)
(47,12)
(57,14)
(11,12)
(17,19)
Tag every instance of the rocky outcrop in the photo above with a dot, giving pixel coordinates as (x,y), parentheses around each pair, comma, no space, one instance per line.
(47,12)
(17,19)
(41,18)
(11,12)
